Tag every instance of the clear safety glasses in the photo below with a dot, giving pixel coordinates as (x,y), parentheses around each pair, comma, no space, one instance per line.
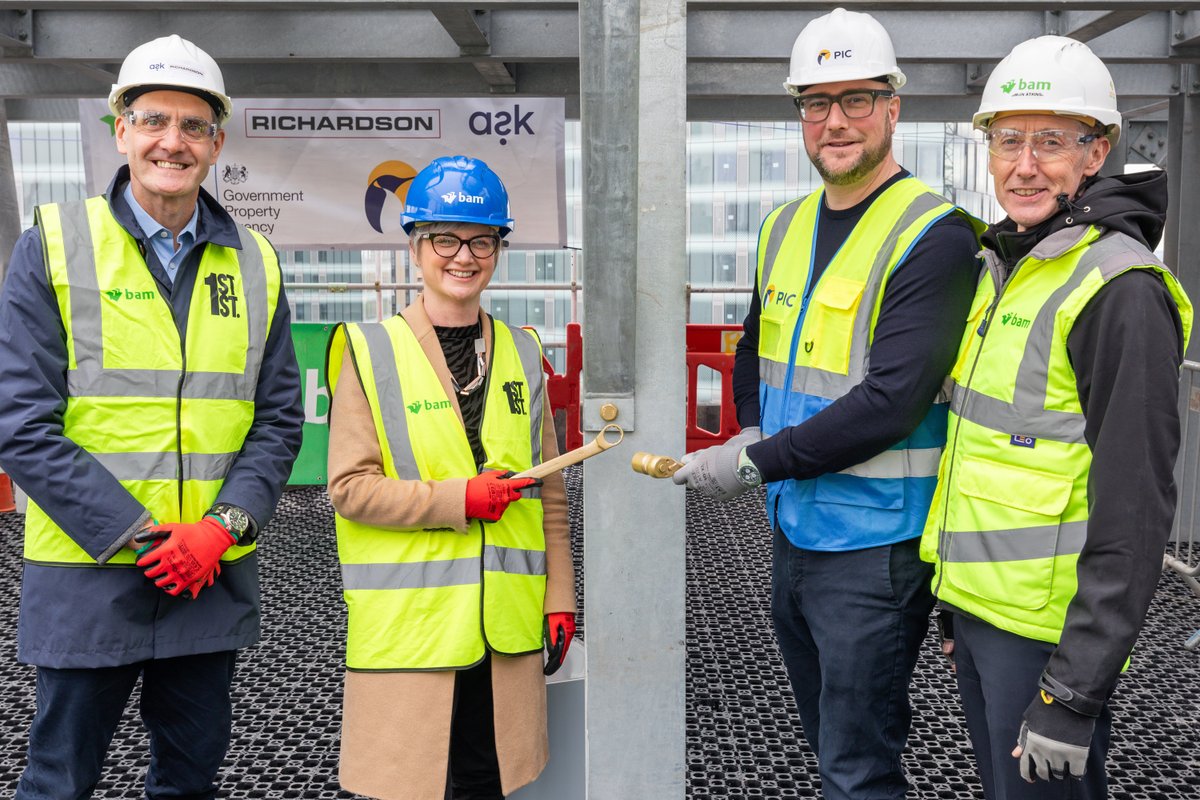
(1008,144)
(156,124)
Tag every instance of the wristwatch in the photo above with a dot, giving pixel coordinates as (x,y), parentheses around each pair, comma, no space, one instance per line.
(747,473)
(237,521)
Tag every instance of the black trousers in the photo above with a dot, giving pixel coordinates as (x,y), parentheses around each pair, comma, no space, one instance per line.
(474,768)
(997,678)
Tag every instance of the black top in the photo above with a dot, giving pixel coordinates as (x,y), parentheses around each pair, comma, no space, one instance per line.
(1125,347)
(458,346)
(921,319)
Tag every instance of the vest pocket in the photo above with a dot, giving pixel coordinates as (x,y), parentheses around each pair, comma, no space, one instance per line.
(829,326)
(1004,532)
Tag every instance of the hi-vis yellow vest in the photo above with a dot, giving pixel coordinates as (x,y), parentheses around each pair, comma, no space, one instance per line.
(433,599)
(1010,514)
(164,417)
(814,346)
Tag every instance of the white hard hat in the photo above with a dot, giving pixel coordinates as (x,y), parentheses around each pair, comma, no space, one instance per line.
(1054,74)
(842,46)
(171,62)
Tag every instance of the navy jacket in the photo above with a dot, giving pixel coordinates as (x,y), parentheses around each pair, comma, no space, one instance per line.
(74,617)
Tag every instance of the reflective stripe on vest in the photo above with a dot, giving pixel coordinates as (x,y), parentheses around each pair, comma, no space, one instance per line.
(427,599)
(132,387)
(814,347)
(1010,515)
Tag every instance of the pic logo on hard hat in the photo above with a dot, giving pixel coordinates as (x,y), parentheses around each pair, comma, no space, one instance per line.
(836,55)
(390,177)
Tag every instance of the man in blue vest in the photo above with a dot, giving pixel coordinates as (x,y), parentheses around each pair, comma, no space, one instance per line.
(1056,493)
(862,290)
(151,413)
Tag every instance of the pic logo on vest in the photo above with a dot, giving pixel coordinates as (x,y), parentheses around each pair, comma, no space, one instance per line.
(515,391)
(128,294)
(779,298)
(416,405)
(222,297)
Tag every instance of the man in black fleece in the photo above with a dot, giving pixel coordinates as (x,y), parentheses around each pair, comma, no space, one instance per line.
(861,293)
(1055,495)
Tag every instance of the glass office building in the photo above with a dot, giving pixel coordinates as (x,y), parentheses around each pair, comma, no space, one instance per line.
(737,173)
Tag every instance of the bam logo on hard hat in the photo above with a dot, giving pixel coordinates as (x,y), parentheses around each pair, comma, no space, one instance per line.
(778,298)
(1024,86)
(836,55)
(459,197)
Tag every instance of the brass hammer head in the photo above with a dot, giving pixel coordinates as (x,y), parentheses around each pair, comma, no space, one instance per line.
(655,466)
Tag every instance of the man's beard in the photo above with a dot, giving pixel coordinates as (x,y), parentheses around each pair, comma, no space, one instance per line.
(866,164)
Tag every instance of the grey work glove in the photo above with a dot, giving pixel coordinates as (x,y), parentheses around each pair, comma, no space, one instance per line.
(1054,739)
(713,471)
(747,436)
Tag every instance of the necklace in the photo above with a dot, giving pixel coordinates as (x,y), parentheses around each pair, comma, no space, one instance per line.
(480,371)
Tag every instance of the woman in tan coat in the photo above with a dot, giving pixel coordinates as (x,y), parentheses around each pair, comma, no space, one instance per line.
(445,696)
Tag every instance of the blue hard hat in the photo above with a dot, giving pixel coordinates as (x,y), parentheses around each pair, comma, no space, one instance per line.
(457,189)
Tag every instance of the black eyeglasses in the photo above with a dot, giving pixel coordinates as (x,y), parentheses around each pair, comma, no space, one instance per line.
(855,104)
(447,245)
(156,124)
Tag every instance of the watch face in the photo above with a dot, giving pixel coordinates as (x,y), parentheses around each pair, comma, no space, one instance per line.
(237,519)
(749,475)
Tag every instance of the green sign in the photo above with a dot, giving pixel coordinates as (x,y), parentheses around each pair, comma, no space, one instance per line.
(310,340)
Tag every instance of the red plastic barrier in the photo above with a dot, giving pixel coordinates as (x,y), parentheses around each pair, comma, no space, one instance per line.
(709,346)
(563,390)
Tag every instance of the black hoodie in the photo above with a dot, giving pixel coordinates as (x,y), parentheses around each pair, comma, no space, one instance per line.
(1126,348)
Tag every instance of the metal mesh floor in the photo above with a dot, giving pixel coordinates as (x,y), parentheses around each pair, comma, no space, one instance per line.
(743,739)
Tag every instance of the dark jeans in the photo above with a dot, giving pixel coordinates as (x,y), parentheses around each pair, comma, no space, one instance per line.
(997,678)
(474,768)
(850,626)
(185,705)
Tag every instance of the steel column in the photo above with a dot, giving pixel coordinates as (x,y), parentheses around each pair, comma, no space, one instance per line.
(1182,249)
(633,95)
(10,213)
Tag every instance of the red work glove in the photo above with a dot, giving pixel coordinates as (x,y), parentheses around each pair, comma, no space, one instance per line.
(558,630)
(204,583)
(489,493)
(184,555)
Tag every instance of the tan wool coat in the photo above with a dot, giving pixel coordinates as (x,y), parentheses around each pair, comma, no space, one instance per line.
(396,726)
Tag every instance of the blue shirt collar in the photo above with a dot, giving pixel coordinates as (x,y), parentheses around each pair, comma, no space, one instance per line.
(149,225)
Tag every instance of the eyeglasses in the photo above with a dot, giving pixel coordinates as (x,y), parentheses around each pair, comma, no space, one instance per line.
(447,245)
(156,124)
(1008,144)
(855,104)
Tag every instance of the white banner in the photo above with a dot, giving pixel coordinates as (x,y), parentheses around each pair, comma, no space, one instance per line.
(332,174)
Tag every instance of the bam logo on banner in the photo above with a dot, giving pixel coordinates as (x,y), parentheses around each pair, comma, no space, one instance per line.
(324,173)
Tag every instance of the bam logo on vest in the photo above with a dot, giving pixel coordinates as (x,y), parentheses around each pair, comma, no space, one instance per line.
(416,405)
(515,390)
(222,298)
(128,294)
